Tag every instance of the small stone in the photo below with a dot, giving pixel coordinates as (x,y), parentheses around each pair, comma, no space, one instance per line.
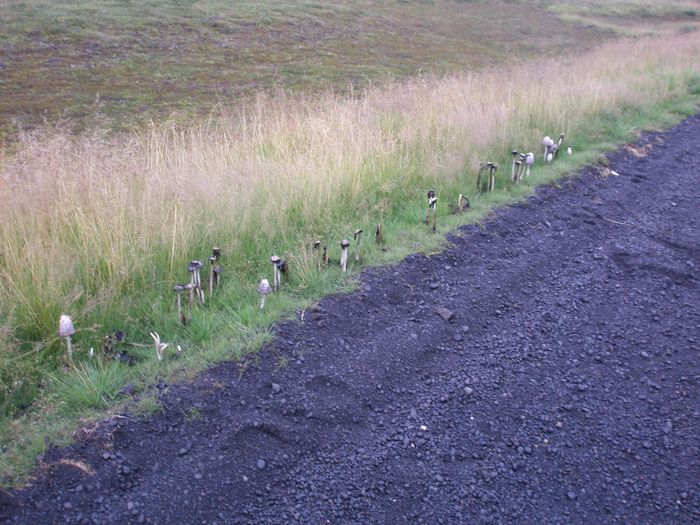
(446,314)
(434,286)
(197,475)
(105,455)
(457,337)
(182,451)
(128,390)
(571,495)
(67,505)
(260,464)
(559,424)
(468,390)
(130,505)
(646,444)
(465,328)
(276,389)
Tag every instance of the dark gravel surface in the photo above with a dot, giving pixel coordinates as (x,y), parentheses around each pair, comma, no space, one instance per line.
(560,385)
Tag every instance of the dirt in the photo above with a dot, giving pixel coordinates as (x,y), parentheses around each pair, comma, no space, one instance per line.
(564,389)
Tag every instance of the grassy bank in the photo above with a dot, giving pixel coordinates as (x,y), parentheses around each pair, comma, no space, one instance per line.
(101,229)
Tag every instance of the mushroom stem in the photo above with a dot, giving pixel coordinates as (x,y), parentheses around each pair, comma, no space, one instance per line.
(325,255)
(317,248)
(480,176)
(358,241)
(514,167)
(190,291)
(275,272)
(211,276)
(199,286)
(492,176)
(378,234)
(462,202)
(559,143)
(344,256)
(69,348)
(262,302)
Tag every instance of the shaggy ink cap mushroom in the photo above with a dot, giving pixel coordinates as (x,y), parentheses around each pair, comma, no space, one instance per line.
(263,287)
(65,326)
(344,244)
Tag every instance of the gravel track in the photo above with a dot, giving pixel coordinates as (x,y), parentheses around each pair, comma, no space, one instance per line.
(564,389)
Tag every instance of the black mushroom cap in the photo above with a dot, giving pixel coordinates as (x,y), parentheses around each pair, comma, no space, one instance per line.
(178,288)
(344,243)
(216,252)
(194,266)
(274,259)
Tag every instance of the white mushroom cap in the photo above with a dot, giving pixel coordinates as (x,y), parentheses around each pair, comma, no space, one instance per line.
(530,159)
(547,141)
(264,287)
(549,157)
(65,326)
(569,151)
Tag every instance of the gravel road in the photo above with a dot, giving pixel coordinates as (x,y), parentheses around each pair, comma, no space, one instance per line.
(558,384)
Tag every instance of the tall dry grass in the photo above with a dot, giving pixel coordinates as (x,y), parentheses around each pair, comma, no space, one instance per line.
(92,226)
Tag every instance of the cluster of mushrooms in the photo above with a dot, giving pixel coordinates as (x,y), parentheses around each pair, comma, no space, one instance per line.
(522,164)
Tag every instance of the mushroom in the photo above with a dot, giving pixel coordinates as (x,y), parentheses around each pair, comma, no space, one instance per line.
(190,287)
(558,145)
(66,330)
(195,278)
(480,175)
(357,237)
(493,168)
(569,151)
(215,270)
(160,347)
(378,234)
(263,289)
(529,162)
(547,142)
(344,257)
(462,202)
(432,208)
(275,272)
(178,289)
(317,248)
(522,162)
(514,167)
(218,270)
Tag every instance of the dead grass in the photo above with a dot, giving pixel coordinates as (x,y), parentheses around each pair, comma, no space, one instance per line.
(101,64)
